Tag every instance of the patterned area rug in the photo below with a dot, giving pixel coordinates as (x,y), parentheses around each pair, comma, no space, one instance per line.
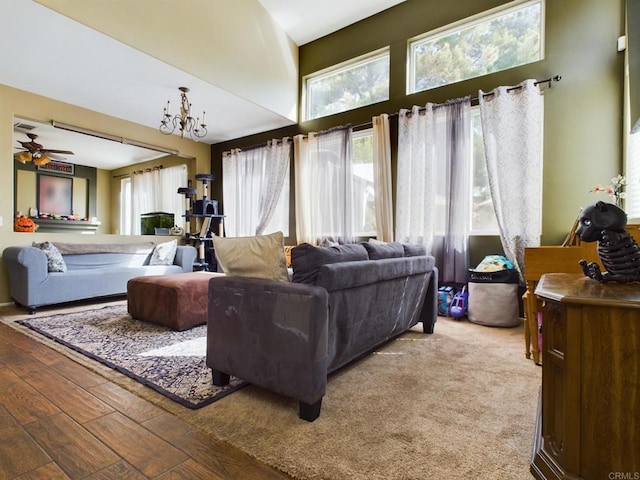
(170,362)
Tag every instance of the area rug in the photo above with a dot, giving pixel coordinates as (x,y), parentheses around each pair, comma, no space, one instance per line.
(172,363)
(458,404)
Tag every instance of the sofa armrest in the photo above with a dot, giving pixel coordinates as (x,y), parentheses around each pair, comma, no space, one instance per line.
(185,256)
(27,268)
(269,333)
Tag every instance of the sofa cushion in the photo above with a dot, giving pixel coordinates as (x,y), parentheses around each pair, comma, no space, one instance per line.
(55,262)
(414,249)
(307,259)
(378,250)
(349,275)
(258,257)
(164,253)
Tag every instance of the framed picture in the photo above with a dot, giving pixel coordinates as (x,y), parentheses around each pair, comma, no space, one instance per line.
(55,195)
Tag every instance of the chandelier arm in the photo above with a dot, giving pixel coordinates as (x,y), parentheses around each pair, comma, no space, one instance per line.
(176,121)
(164,127)
(200,132)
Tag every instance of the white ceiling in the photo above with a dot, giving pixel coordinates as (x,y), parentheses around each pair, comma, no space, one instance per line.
(308,20)
(87,150)
(49,54)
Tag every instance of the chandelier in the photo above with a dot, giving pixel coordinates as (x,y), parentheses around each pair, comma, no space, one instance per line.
(183,120)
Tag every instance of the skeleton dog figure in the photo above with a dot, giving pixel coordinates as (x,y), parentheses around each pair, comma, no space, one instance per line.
(617,249)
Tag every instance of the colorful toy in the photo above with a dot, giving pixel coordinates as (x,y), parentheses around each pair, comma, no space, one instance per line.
(445,297)
(458,308)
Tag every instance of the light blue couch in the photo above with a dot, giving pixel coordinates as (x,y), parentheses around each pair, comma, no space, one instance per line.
(93,270)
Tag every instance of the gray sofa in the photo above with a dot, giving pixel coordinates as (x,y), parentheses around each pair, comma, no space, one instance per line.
(288,336)
(93,270)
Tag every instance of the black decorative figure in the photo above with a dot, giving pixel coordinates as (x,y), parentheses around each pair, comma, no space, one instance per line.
(617,249)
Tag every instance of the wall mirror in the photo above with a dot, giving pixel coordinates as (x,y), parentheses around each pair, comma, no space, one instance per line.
(78,192)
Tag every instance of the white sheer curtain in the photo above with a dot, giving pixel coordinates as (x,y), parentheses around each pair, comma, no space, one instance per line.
(324,186)
(433,183)
(255,187)
(457,189)
(512,132)
(382,177)
(157,191)
(416,179)
(276,177)
(171,179)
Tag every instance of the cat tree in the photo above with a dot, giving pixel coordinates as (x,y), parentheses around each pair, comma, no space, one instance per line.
(205,214)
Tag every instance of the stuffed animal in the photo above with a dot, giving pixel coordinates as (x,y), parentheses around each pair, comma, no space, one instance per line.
(617,249)
(24,224)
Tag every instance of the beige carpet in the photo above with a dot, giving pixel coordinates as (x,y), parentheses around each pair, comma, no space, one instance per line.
(458,404)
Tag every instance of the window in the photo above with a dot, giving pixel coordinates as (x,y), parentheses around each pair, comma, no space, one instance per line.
(152,190)
(364,217)
(280,219)
(483,217)
(631,149)
(352,84)
(495,40)
(632,199)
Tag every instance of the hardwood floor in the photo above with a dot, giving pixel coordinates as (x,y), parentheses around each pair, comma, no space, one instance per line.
(60,420)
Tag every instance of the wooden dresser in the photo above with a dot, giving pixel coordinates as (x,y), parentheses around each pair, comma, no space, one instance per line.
(588,424)
(554,259)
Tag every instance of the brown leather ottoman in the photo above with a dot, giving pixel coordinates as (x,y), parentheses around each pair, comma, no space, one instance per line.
(176,301)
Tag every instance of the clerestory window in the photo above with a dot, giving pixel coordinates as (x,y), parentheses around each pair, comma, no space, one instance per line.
(355,83)
(495,40)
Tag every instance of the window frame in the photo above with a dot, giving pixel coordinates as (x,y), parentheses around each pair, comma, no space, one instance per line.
(467,22)
(336,69)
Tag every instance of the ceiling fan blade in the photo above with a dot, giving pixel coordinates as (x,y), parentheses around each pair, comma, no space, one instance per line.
(65,152)
(29,146)
(37,149)
(55,156)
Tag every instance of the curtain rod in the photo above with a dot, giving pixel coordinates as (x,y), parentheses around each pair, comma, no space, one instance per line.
(113,138)
(260,145)
(548,81)
(555,78)
(138,172)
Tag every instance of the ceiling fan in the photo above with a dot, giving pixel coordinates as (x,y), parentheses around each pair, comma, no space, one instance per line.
(36,152)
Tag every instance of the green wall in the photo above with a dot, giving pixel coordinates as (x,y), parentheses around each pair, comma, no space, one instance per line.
(583,113)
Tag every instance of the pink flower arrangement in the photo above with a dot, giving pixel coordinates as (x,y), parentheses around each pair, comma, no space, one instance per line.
(614,190)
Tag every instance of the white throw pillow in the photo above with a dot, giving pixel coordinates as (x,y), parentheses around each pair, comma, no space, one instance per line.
(55,262)
(164,253)
(261,256)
